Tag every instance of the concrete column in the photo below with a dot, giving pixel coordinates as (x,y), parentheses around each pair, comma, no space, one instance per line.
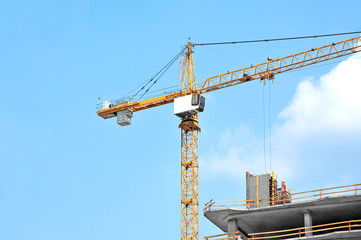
(232,226)
(308,222)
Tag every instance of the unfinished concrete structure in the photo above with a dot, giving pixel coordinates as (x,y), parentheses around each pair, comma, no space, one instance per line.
(262,190)
(326,217)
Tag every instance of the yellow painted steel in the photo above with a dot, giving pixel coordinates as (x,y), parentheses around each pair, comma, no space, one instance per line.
(262,71)
(189,79)
(189,159)
(189,165)
(274,191)
(268,70)
(189,125)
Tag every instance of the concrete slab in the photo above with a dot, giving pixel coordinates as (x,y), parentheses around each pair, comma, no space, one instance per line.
(281,217)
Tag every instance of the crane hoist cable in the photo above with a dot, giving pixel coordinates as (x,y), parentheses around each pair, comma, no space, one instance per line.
(269,124)
(264,129)
(269,127)
(167,66)
(189,122)
(269,103)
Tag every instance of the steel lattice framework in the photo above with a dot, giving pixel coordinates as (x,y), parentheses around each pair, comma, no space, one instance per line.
(261,71)
(189,125)
(190,201)
(268,69)
(189,83)
(189,158)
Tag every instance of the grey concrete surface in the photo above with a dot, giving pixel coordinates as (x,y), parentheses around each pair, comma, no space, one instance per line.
(281,217)
(258,188)
(308,222)
(232,226)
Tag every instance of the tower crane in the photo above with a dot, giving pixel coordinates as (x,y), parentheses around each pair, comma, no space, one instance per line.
(189,102)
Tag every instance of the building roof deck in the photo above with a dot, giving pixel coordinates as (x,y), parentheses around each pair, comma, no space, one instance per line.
(280,217)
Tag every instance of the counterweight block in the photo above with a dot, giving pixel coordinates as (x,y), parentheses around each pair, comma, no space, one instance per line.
(124,117)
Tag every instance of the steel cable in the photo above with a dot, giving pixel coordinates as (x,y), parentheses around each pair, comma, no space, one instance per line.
(276,39)
(161,72)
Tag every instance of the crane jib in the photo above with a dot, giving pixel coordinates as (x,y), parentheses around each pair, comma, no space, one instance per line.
(261,71)
(189,102)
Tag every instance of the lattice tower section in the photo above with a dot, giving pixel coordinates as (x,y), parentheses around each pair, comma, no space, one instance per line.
(189,78)
(190,200)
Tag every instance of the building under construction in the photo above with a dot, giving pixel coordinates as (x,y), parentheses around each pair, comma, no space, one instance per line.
(265,200)
(272,212)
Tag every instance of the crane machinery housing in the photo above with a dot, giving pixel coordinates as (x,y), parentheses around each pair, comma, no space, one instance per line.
(189,102)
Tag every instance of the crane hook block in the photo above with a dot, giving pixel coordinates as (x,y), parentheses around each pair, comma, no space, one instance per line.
(189,105)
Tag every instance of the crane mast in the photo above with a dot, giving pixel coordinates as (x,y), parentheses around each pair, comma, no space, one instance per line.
(189,118)
(189,165)
(189,158)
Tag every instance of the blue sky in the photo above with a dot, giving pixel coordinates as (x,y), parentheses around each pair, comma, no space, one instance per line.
(67,174)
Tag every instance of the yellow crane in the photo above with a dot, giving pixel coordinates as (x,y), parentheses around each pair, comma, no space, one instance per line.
(189,101)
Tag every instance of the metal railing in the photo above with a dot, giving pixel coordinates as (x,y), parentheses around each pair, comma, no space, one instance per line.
(294,232)
(133,97)
(285,199)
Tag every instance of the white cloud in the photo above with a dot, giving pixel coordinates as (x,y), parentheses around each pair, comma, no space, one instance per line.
(331,102)
(238,150)
(322,120)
